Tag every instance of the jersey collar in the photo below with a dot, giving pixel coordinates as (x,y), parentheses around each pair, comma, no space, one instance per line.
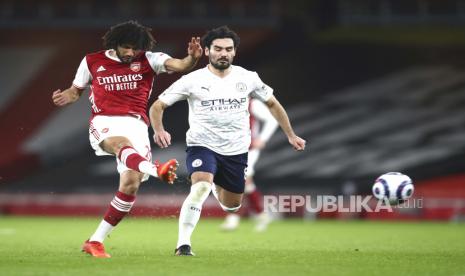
(108,55)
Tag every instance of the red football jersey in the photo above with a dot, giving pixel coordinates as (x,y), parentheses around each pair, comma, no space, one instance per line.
(118,88)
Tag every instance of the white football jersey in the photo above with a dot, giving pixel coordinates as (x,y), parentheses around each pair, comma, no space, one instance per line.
(218,107)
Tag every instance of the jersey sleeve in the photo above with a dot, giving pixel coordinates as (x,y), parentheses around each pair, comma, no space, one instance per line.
(178,91)
(157,61)
(261,91)
(261,112)
(83,76)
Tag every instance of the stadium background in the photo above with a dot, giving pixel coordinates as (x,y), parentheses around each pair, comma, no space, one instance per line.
(374,86)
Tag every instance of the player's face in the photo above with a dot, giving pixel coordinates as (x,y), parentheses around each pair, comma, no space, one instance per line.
(126,53)
(221,53)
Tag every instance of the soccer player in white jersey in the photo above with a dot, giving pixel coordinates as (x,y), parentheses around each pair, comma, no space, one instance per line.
(121,79)
(262,126)
(219,135)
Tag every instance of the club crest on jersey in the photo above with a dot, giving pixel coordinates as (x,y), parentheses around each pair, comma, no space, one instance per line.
(135,66)
(105,130)
(241,87)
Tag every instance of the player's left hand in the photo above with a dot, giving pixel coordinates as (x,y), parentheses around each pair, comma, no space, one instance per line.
(297,142)
(194,48)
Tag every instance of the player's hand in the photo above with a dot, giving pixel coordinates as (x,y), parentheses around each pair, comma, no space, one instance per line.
(194,48)
(258,144)
(162,139)
(297,142)
(61,99)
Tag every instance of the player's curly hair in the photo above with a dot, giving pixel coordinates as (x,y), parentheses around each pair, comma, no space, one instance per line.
(220,32)
(129,33)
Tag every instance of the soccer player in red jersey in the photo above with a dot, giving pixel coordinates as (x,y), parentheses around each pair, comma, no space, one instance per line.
(120,80)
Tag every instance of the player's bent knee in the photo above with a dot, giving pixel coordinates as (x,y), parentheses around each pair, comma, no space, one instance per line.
(115,144)
(130,188)
(130,182)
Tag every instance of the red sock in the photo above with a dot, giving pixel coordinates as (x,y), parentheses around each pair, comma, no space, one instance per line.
(119,207)
(255,201)
(131,158)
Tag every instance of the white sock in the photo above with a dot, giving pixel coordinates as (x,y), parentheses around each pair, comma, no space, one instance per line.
(190,211)
(103,230)
(148,168)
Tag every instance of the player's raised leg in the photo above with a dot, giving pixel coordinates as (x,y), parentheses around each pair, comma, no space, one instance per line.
(132,159)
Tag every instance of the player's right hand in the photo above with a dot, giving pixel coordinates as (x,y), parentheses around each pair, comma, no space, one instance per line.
(162,138)
(60,99)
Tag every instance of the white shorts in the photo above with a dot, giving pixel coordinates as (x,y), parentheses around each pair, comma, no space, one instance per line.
(136,130)
(252,159)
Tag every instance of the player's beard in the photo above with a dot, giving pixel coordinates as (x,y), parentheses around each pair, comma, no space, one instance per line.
(125,59)
(221,64)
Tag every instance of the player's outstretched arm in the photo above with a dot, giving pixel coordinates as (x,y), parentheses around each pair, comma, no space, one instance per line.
(194,52)
(69,96)
(161,137)
(281,116)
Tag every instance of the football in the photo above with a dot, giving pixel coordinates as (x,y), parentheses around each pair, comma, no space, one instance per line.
(393,187)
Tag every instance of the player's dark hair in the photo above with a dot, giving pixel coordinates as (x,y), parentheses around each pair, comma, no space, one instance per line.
(129,33)
(220,32)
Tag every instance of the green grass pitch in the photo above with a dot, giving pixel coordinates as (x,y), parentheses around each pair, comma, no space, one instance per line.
(51,246)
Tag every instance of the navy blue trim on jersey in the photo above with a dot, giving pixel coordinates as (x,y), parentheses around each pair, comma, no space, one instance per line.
(228,170)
